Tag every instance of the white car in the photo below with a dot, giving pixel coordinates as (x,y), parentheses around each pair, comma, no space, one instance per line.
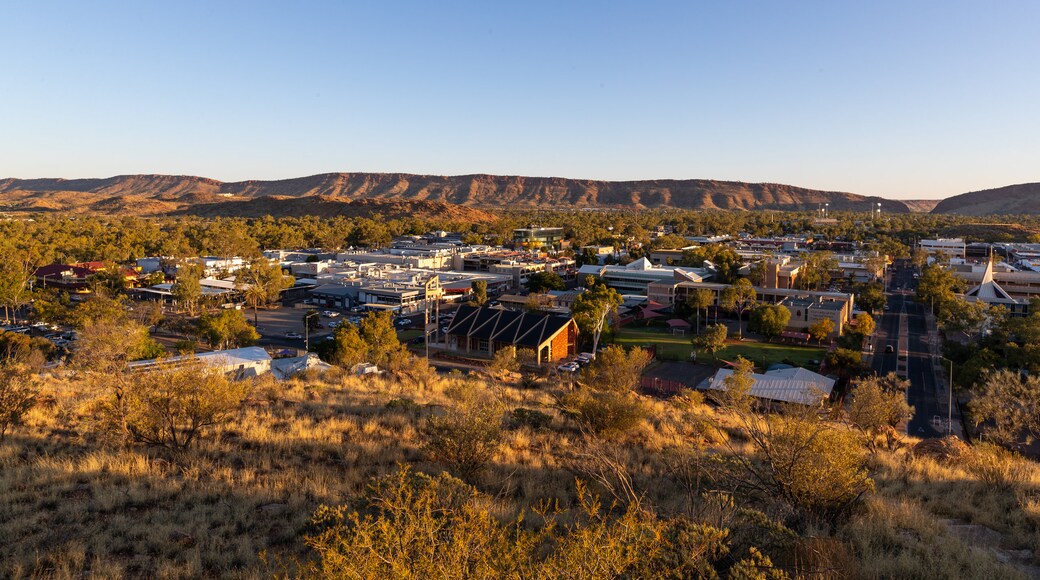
(404,321)
(330,314)
(568,367)
(293,335)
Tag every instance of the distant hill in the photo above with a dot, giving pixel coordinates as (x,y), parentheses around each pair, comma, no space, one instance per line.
(159,194)
(1023,198)
(921,205)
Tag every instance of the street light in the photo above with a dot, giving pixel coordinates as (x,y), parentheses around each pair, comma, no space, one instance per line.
(306,330)
(949,385)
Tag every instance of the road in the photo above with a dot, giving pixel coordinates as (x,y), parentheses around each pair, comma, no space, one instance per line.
(920,369)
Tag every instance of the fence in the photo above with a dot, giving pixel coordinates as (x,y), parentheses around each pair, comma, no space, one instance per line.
(661,386)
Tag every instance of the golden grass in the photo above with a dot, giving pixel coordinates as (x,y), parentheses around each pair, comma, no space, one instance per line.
(74,506)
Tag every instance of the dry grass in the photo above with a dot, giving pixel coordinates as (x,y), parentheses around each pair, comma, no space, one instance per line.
(74,506)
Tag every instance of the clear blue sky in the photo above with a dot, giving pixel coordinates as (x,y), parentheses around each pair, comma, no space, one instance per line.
(904,99)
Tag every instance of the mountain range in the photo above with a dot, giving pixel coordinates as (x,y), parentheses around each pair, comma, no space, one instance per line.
(390,193)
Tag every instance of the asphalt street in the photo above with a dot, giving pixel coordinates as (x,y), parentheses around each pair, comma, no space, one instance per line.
(929,419)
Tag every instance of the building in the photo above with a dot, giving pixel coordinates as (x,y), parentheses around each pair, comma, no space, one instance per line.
(950,247)
(785,385)
(988,291)
(806,312)
(239,363)
(834,305)
(76,277)
(483,331)
(537,237)
(635,278)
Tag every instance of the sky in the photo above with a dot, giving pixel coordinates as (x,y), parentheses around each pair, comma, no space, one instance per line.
(922,99)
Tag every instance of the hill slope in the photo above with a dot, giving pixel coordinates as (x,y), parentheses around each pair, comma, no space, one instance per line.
(1023,198)
(471,190)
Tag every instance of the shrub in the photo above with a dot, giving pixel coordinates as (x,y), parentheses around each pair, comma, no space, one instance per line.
(411,525)
(467,436)
(173,405)
(604,413)
(17,397)
(997,466)
(537,420)
(404,405)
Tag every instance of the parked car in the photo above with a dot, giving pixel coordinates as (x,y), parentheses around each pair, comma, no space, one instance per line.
(293,335)
(404,322)
(334,324)
(568,367)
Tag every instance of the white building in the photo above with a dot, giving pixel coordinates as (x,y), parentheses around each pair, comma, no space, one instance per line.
(634,278)
(950,247)
(788,385)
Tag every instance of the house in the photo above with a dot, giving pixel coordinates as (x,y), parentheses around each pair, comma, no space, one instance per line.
(482,331)
(785,385)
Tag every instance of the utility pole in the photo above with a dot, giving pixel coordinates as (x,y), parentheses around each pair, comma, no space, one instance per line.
(949,385)
(306,331)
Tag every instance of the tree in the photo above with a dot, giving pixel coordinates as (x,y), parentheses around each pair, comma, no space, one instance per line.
(615,369)
(871,296)
(227,329)
(377,330)
(844,362)
(865,324)
(1009,405)
(770,320)
(172,406)
(187,290)
(591,309)
(16,273)
(713,339)
(262,283)
(480,297)
(17,396)
(700,299)
(969,318)
(821,329)
(937,287)
(815,271)
(879,405)
(739,297)
(346,349)
(110,281)
(543,281)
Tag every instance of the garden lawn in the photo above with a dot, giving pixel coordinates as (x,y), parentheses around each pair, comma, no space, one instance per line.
(678,348)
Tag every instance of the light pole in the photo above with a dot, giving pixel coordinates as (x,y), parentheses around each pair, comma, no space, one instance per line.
(949,385)
(307,330)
